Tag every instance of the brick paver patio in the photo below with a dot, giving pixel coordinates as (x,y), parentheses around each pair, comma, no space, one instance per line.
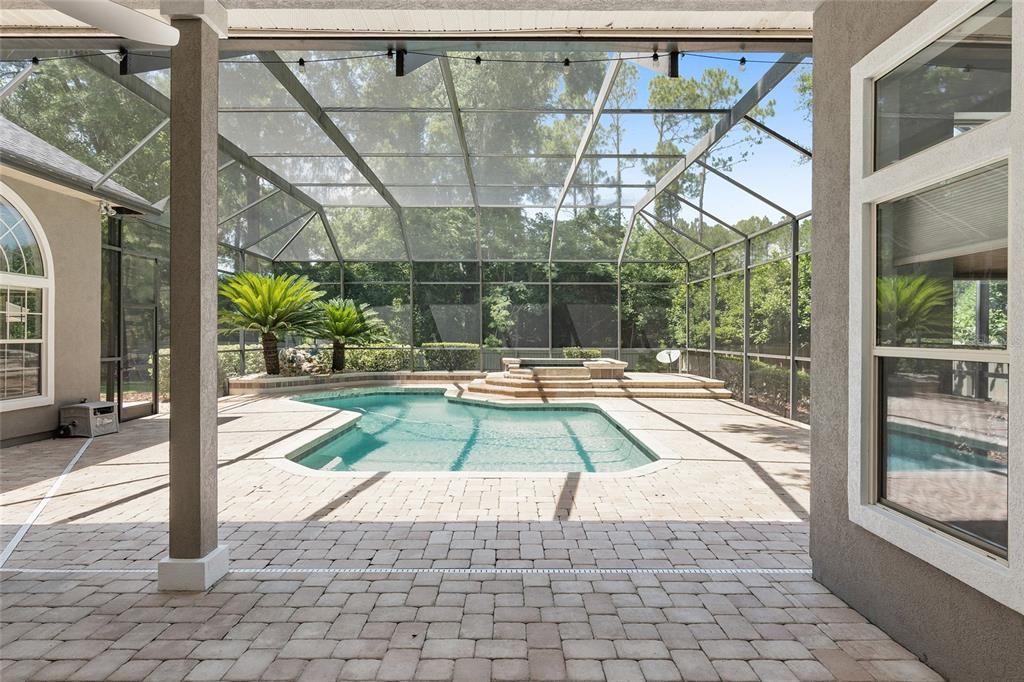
(693,568)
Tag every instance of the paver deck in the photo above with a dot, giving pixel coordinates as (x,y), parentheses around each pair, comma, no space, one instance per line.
(693,568)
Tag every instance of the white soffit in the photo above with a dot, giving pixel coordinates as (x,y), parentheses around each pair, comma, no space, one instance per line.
(267,18)
(539,22)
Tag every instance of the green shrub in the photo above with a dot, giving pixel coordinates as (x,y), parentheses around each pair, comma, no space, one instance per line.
(451,357)
(253,361)
(647,361)
(769,387)
(164,383)
(377,359)
(227,366)
(578,353)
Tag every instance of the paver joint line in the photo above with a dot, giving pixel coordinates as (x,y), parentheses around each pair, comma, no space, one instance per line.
(13,544)
(694,569)
(458,571)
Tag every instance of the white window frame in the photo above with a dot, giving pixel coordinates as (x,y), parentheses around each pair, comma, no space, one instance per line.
(999,140)
(46,285)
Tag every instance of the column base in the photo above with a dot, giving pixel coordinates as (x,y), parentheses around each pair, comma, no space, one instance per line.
(192,575)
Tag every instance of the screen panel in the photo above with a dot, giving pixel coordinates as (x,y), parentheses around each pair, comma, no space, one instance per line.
(367,233)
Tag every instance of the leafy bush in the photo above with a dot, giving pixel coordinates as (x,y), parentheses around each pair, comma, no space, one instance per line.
(578,353)
(378,359)
(647,361)
(451,357)
(227,366)
(769,387)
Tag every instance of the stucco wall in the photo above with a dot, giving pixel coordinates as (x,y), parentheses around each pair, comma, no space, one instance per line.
(955,629)
(72,228)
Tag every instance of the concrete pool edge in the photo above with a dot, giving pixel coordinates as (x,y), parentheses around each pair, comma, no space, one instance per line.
(284,452)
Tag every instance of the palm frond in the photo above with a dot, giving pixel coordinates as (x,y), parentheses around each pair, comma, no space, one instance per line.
(269,303)
(347,322)
(911,307)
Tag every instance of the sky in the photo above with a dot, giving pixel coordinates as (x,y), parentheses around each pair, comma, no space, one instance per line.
(772,169)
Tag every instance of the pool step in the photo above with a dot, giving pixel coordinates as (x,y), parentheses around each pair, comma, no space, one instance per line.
(499,379)
(550,372)
(584,382)
(479,386)
(667,386)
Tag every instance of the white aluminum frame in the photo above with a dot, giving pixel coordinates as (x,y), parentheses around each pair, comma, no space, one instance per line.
(44,284)
(999,140)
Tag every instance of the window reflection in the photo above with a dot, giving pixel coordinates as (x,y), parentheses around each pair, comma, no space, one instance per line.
(21,342)
(954,85)
(944,444)
(942,264)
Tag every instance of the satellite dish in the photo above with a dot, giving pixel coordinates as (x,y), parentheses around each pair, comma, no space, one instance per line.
(669,356)
(119,20)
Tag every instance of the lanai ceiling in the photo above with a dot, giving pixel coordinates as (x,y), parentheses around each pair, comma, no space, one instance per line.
(267,18)
(339,158)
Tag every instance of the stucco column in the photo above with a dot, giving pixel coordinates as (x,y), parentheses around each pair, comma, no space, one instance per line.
(196,561)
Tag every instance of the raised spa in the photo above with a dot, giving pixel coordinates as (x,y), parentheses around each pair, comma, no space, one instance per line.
(425,431)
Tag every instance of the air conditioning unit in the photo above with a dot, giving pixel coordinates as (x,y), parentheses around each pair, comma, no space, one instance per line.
(88,419)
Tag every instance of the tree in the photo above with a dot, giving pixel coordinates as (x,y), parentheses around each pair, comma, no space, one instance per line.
(805,92)
(803,304)
(729,312)
(770,303)
(270,305)
(345,322)
(515,315)
(715,89)
(700,315)
(966,329)
(611,136)
(498,315)
(93,119)
(651,278)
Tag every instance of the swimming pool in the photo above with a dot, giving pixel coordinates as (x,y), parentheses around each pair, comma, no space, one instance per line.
(420,431)
(912,451)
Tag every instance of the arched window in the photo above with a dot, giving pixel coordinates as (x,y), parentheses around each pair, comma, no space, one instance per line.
(26,307)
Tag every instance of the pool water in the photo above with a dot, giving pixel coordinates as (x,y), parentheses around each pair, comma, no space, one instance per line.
(407,431)
(911,452)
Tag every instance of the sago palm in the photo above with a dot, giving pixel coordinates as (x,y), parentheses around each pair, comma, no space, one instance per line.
(345,322)
(911,307)
(270,305)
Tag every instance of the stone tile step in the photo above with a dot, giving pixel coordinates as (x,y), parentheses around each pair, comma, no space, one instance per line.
(498,379)
(668,383)
(481,387)
(553,372)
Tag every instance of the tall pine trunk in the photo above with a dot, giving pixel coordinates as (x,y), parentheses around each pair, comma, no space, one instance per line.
(338,357)
(270,356)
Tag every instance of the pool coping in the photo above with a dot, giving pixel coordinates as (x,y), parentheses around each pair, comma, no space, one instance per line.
(284,452)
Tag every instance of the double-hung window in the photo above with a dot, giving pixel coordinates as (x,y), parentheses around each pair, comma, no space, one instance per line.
(26,310)
(937,286)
